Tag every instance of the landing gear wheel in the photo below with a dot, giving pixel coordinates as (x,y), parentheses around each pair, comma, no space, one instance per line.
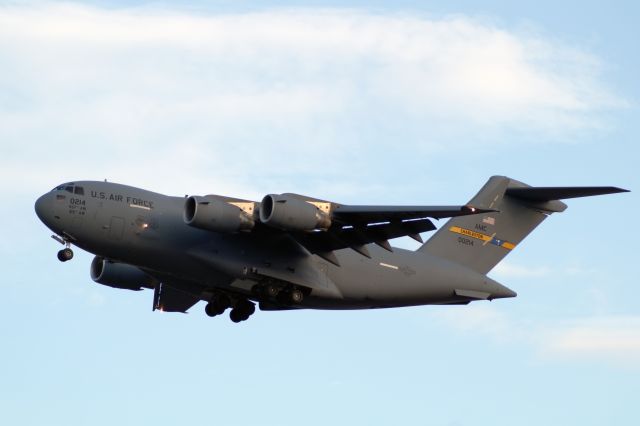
(212,310)
(236,316)
(271,290)
(242,311)
(65,255)
(217,305)
(296,296)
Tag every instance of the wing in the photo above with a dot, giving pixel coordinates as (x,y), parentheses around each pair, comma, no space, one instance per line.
(355,226)
(317,225)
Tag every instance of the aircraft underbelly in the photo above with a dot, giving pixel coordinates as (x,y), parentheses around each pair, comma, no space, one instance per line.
(401,278)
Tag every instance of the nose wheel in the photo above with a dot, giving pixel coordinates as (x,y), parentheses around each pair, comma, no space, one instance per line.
(66,253)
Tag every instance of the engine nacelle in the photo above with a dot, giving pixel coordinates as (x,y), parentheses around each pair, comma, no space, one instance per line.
(119,275)
(291,212)
(216,215)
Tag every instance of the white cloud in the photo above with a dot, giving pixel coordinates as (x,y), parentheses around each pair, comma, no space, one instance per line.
(612,339)
(120,92)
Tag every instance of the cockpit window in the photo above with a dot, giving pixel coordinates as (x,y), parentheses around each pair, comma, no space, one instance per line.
(70,187)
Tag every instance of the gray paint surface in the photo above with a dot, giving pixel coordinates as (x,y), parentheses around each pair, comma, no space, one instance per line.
(347,265)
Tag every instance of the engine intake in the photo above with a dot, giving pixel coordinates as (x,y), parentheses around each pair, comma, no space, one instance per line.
(119,275)
(291,212)
(216,215)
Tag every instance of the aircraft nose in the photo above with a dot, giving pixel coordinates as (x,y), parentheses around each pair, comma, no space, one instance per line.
(42,206)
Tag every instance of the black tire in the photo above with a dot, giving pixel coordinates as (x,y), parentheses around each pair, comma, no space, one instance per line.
(211,310)
(271,290)
(223,302)
(61,257)
(297,296)
(251,308)
(67,253)
(236,316)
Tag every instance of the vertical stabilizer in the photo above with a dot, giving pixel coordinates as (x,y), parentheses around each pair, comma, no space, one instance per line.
(481,241)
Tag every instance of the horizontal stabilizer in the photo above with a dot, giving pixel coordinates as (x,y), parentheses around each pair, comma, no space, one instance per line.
(541,194)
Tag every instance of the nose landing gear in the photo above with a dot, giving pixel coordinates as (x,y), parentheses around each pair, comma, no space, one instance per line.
(65,254)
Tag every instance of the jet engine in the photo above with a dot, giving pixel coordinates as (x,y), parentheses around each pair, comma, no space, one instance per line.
(217,215)
(119,275)
(292,212)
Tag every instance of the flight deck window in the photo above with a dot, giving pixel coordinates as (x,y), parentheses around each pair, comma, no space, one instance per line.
(79,190)
(69,189)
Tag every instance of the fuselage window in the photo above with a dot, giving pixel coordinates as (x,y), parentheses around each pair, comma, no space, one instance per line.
(79,190)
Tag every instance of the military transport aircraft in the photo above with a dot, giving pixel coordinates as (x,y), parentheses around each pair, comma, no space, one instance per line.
(291,251)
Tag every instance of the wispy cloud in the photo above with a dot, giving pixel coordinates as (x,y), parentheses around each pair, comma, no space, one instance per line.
(237,93)
(612,339)
(609,338)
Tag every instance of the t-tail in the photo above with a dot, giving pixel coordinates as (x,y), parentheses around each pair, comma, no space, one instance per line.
(480,241)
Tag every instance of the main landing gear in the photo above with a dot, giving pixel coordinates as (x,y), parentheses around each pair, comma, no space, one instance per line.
(66,253)
(282,295)
(241,310)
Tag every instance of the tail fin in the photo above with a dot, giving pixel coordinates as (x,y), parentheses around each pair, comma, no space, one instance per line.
(481,241)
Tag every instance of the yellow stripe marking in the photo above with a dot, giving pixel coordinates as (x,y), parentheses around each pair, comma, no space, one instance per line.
(482,237)
(487,241)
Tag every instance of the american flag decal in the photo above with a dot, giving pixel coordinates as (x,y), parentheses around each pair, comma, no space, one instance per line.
(61,197)
(489,220)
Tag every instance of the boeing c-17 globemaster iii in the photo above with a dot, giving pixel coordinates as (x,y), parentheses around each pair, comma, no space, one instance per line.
(291,251)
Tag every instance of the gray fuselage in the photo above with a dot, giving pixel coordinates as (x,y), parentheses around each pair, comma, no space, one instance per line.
(146,229)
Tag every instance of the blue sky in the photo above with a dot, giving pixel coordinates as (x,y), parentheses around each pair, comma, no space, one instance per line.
(358,102)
